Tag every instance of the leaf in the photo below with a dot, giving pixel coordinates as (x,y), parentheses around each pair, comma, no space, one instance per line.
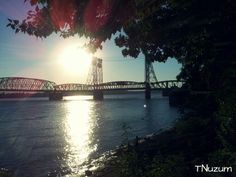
(37,8)
(16,22)
(17,30)
(29,31)
(12,26)
(33,2)
(9,20)
(9,24)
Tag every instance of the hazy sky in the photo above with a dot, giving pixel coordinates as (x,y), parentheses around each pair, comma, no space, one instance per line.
(26,56)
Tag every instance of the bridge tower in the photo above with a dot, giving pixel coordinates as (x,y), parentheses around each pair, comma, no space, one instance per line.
(150,77)
(95,77)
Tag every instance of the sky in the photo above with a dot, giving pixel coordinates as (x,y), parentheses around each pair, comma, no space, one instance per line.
(22,55)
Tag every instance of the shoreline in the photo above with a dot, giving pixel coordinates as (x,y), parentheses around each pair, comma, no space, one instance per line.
(102,166)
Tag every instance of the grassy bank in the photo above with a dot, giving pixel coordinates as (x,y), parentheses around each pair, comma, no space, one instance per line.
(204,136)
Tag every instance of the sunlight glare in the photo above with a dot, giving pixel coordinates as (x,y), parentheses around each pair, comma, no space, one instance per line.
(79,127)
(78,97)
(75,60)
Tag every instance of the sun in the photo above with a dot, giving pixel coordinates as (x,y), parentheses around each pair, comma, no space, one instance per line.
(75,60)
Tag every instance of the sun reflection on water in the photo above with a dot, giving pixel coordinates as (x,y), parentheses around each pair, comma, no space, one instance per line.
(79,127)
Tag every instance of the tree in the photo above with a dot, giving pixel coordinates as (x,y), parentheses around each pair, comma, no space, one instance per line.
(197,33)
(97,20)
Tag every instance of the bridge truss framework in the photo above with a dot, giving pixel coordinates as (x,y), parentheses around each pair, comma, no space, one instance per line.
(39,85)
(94,83)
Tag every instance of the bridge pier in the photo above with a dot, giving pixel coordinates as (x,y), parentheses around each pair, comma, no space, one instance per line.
(55,96)
(97,95)
(147,91)
(166,92)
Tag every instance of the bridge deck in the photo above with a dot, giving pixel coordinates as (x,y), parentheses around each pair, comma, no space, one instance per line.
(20,84)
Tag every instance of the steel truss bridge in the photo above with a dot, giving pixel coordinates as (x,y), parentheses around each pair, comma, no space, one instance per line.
(21,84)
(93,84)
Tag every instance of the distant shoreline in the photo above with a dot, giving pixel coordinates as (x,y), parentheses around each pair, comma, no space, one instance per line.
(40,95)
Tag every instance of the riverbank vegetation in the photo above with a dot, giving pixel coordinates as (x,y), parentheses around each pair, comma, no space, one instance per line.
(200,35)
(200,137)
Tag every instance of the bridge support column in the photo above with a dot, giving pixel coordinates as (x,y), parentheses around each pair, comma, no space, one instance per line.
(166,92)
(148,92)
(55,96)
(97,95)
(149,77)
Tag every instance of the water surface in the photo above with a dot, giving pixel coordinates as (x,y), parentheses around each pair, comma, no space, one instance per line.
(41,137)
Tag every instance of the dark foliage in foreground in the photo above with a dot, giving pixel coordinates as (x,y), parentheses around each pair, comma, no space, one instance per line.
(200,35)
(200,137)
(203,41)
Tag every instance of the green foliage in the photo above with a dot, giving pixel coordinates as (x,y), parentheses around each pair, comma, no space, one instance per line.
(133,164)
(5,173)
(226,119)
(198,33)
(223,157)
(170,166)
(191,125)
(128,165)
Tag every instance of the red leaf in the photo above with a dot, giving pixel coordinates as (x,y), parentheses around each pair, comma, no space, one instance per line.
(33,2)
(37,8)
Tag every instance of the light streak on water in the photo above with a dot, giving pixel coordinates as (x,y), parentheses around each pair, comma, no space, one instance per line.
(79,126)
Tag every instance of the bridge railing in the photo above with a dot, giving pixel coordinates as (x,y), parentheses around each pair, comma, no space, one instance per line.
(167,84)
(31,84)
(119,85)
(25,84)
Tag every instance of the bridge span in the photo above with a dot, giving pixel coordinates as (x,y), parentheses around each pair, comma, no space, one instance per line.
(21,84)
(94,83)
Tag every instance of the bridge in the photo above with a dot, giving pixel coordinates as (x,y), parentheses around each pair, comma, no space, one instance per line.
(94,85)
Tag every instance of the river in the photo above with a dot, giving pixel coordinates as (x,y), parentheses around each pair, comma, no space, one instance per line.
(43,138)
